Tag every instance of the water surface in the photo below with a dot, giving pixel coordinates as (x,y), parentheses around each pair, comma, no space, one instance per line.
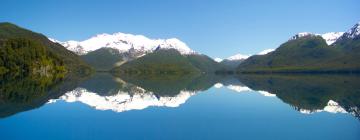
(198,107)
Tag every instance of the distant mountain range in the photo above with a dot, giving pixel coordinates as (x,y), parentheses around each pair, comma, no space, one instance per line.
(233,61)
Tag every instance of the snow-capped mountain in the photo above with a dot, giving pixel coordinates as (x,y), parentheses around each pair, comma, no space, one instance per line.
(124,43)
(353,32)
(330,37)
(242,56)
(234,61)
(123,101)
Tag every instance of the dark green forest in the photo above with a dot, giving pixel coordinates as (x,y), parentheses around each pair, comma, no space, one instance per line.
(24,56)
(57,54)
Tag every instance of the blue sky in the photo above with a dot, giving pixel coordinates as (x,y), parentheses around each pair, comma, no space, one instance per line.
(213,27)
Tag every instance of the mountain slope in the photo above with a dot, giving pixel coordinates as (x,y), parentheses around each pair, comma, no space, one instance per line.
(168,61)
(204,63)
(71,61)
(103,59)
(307,53)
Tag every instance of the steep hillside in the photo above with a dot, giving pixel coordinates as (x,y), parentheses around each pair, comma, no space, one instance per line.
(23,56)
(204,63)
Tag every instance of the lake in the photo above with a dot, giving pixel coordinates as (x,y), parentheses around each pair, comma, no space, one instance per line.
(198,107)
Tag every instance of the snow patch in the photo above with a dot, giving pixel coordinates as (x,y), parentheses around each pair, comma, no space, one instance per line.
(218,85)
(238,57)
(331,37)
(218,59)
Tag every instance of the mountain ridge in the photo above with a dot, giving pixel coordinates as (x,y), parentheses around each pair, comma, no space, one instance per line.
(307,52)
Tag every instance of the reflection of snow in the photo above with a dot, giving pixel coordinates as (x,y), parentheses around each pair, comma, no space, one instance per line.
(331,107)
(238,88)
(241,88)
(267,94)
(218,85)
(122,101)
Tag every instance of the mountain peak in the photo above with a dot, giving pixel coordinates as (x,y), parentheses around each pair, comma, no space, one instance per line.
(353,32)
(174,43)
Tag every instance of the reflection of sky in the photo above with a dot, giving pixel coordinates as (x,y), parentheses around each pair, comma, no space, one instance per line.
(218,113)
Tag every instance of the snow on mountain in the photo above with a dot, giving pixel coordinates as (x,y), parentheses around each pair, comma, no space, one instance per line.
(218,59)
(123,101)
(243,57)
(238,57)
(233,58)
(124,42)
(218,85)
(267,94)
(331,37)
(266,51)
(353,32)
(238,88)
(241,88)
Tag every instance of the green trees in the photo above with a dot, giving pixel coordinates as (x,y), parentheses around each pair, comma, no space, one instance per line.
(73,64)
(22,56)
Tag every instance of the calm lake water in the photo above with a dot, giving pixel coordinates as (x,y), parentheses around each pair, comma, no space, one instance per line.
(217,107)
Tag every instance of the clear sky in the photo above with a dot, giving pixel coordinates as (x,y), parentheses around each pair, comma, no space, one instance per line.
(218,28)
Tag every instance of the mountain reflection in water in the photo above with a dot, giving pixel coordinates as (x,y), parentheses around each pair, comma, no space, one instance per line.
(305,93)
